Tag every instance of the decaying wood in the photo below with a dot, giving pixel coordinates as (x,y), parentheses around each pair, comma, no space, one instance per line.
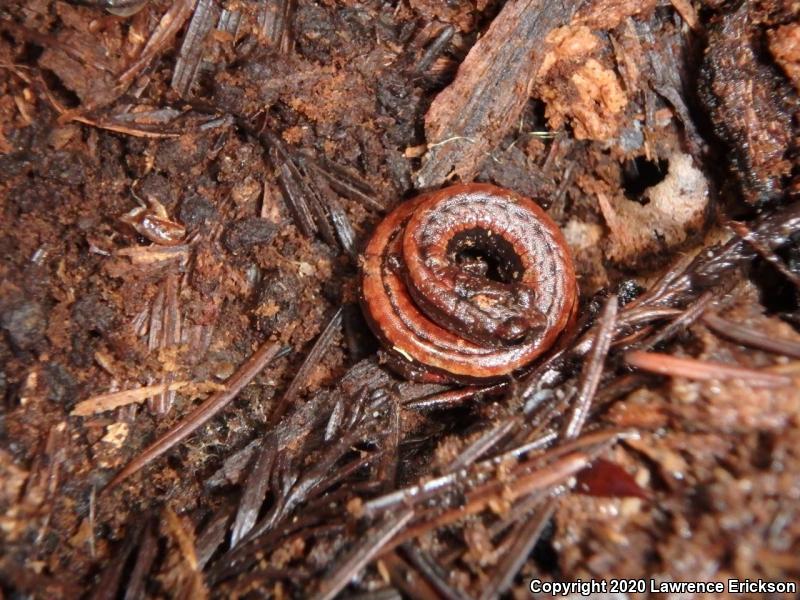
(469,118)
(186,189)
(750,106)
(114,400)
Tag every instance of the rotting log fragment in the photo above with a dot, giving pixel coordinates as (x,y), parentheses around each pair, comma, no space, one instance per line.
(272,508)
(469,118)
(750,105)
(664,72)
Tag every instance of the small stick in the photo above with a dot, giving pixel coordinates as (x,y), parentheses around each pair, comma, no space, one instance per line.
(202,414)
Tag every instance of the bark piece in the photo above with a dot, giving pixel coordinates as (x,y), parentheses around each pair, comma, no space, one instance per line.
(470,117)
(750,106)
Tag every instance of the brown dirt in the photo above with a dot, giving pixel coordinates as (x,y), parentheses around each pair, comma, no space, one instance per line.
(186,184)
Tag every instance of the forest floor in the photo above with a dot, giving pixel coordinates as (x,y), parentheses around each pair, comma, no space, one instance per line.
(185,188)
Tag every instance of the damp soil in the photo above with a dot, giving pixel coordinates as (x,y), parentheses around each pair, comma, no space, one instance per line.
(185,188)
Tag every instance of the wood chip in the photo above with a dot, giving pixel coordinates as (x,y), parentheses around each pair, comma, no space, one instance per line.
(469,118)
(114,400)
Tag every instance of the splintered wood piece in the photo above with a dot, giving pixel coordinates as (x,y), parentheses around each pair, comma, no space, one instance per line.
(167,28)
(470,117)
(345,182)
(274,19)
(112,400)
(312,360)
(191,52)
(148,550)
(255,489)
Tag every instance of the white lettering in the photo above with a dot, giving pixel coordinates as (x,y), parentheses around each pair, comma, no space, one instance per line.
(568,588)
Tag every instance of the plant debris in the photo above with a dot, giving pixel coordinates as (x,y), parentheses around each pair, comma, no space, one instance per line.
(186,187)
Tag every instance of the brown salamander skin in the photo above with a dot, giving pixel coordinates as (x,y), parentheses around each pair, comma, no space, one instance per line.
(469,283)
